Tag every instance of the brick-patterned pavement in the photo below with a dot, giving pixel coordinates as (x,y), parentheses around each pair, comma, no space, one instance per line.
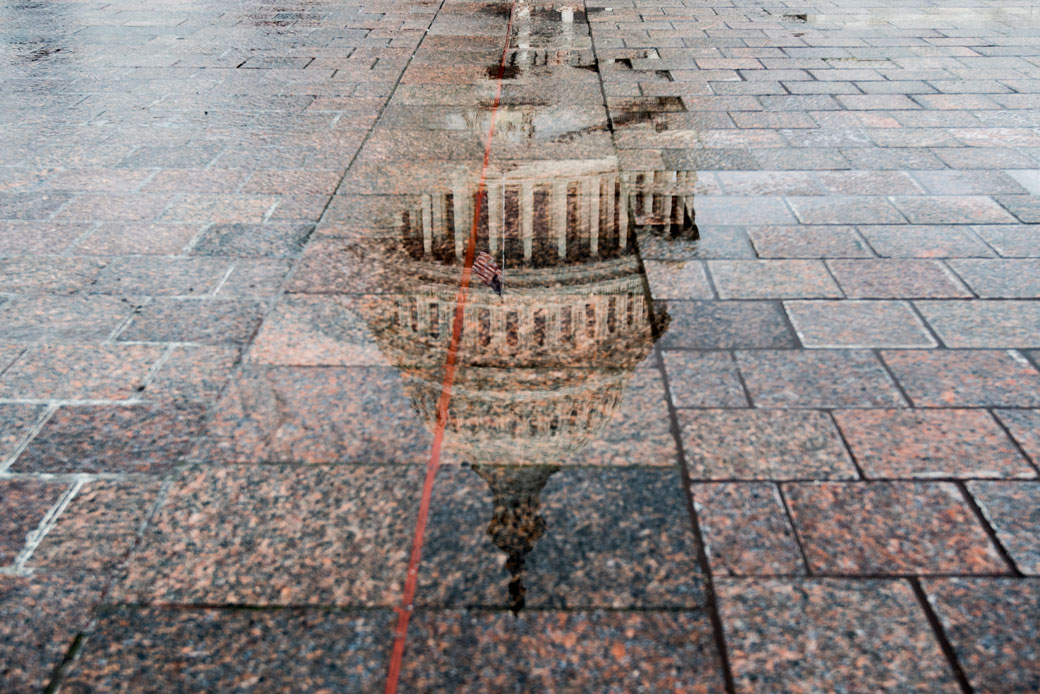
(757,411)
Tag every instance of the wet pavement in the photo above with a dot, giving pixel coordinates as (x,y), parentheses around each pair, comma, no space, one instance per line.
(754,410)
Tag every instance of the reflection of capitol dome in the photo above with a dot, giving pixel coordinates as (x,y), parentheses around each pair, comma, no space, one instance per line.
(542,369)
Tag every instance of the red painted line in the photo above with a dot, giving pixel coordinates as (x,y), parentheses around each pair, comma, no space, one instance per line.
(404,610)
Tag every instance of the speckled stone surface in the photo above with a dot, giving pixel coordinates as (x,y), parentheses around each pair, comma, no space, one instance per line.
(192,373)
(318,331)
(149,439)
(830,636)
(209,321)
(316,415)
(98,527)
(833,324)
(305,651)
(704,379)
(24,503)
(772,279)
(965,378)
(677,279)
(16,420)
(726,325)
(931,443)
(890,528)
(277,535)
(1024,426)
(992,626)
(616,538)
(252,240)
(763,444)
(832,378)
(1013,510)
(746,530)
(40,617)
(572,652)
(639,432)
(111,372)
(895,279)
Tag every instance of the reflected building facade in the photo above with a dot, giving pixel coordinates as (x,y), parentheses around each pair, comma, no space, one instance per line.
(541,369)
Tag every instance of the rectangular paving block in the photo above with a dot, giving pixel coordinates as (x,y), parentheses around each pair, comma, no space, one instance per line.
(277,535)
(1024,427)
(990,624)
(79,372)
(569,538)
(98,528)
(984,323)
(831,378)
(1001,279)
(763,444)
(874,528)
(931,241)
(965,378)
(40,617)
(896,279)
(725,325)
(772,279)
(308,651)
(857,324)
(1013,510)
(808,242)
(106,438)
(931,443)
(567,651)
(704,379)
(746,530)
(830,635)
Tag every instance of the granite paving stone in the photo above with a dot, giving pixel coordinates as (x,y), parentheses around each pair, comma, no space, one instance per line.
(890,528)
(277,535)
(933,241)
(25,503)
(606,538)
(896,279)
(746,531)
(981,323)
(40,617)
(79,372)
(931,443)
(31,318)
(137,439)
(16,421)
(726,325)
(763,444)
(321,330)
(771,279)
(306,651)
(677,279)
(1002,279)
(1012,241)
(98,528)
(205,321)
(704,379)
(831,378)
(808,242)
(192,373)
(990,624)
(610,652)
(1013,510)
(774,265)
(834,324)
(965,378)
(281,414)
(830,635)
(252,240)
(1024,427)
